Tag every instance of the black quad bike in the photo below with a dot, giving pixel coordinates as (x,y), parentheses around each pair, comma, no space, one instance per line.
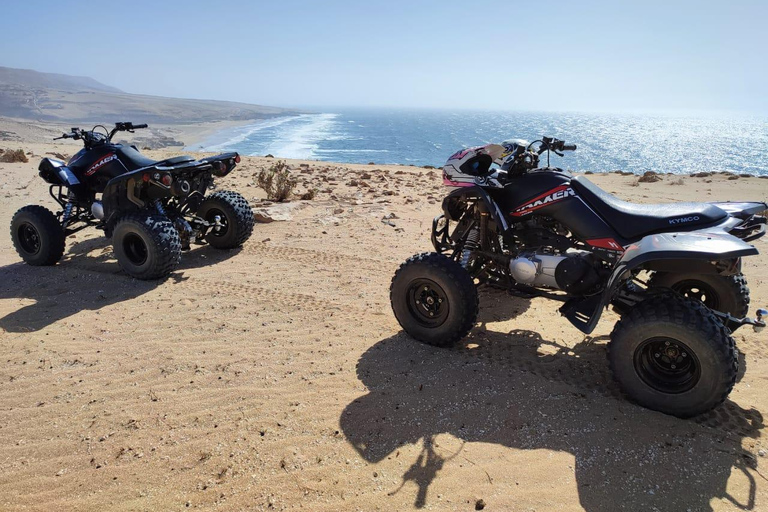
(152,210)
(672,271)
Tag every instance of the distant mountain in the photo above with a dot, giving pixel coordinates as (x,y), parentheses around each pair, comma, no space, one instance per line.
(37,80)
(30,94)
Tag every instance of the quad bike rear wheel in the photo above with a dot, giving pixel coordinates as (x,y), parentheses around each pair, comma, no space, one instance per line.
(434,299)
(147,246)
(729,294)
(673,355)
(235,216)
(37,236)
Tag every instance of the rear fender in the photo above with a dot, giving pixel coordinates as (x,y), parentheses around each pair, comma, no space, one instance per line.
(222,164)
(742,210)
(694,250)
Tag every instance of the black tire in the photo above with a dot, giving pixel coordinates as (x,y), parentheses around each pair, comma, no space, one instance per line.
(673,355)
(433,283)
(147,246)
(728,294)
(37,235)
(236,215)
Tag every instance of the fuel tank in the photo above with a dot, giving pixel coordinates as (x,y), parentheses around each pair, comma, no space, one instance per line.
(547,192)
(96,166)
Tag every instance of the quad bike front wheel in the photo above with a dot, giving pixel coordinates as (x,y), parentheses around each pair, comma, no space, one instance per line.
(37,236)
(671,354)
(728,294)
(233,215)
(147,246)
(434,299)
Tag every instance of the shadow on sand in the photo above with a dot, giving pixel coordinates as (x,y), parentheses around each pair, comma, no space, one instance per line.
(87,278)
(520,391)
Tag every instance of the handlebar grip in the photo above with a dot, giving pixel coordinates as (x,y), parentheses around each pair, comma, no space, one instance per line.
(569,147)
(137,126)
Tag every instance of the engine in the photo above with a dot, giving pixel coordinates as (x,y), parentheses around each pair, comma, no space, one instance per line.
(573,272)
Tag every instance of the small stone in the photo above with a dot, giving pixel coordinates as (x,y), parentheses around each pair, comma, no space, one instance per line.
(480,504)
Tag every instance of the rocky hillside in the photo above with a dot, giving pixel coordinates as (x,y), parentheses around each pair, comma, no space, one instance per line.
(29,94)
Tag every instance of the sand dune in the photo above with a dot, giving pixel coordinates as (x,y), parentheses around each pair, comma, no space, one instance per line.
(275,377)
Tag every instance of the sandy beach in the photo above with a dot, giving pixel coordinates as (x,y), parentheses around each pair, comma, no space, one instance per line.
(275,377)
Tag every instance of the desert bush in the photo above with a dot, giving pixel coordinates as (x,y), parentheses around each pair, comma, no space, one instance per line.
(277,182)
(309,194)
(649,177)
(11,156)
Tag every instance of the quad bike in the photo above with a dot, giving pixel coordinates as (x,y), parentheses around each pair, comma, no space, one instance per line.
(151,210)
(672,271)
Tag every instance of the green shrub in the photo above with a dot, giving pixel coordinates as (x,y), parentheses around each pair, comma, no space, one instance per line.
(277,182)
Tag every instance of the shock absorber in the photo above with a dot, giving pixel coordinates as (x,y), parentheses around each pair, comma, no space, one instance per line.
(160,208)
(68,209)
(472,243)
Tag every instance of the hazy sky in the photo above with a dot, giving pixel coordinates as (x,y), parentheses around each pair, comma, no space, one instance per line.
(495,54)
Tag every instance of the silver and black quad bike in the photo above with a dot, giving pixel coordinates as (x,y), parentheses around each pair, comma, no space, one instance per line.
(151,209)
(672,271)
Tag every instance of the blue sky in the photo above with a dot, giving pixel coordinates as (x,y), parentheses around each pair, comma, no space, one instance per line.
(553,55)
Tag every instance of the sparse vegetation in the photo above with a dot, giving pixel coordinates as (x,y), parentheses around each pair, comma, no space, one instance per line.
(678,181)
(15,155)
(649,177)
(277,182)
(309,194)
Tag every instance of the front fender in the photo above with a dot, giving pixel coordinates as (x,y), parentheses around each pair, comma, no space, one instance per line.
(692,248)
(476,193)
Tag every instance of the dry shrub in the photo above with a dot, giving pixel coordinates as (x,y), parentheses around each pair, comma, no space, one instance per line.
(649,177)
(678,181)
(277,182)
(14,155)
(309,194)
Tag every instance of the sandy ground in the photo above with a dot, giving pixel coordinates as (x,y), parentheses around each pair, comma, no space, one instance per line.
(276,378)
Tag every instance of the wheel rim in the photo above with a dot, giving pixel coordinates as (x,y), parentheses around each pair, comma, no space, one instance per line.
(667,365)
(29,238)
(427,303)
(135,249)
(700,291)
(211,216)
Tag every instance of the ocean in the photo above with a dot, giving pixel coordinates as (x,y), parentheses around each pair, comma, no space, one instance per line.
(680,144)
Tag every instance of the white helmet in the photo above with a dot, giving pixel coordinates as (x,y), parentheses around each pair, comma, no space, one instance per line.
(464,167)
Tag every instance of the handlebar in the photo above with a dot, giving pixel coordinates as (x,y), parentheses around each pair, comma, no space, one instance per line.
(93,138)
(556,145)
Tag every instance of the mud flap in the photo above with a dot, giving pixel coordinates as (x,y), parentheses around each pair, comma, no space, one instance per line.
(580,311)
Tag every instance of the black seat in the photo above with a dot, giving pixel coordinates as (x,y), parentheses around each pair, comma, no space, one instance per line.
(133,159)
(633,221)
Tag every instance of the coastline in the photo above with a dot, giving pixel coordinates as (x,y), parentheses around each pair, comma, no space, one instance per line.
(352,138)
